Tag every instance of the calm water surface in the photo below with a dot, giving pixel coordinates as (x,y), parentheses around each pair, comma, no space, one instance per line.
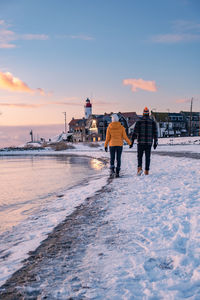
(28,182)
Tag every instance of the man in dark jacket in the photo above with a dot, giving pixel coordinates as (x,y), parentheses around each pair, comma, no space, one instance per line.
(145,131)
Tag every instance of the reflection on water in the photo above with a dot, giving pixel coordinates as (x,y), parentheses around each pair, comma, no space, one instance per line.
(96,164)
(29,182)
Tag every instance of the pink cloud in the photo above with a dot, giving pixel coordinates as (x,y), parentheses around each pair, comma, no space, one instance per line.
(182,32)
(8,37)
(183,100)
(175,38)
(185,26)
(140,84)
(66,103)
(81,37)
(41,37)
(10,83)
(186,100)
(41,91)
(21,105)
(7,46)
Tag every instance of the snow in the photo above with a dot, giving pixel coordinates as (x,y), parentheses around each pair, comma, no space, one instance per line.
(154,227)
(148,244)
(60,137)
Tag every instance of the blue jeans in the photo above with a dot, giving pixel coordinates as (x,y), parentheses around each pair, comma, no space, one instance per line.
(115,151)
(141,148)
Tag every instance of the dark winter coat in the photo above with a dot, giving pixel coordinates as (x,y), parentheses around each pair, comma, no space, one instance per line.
(145,131)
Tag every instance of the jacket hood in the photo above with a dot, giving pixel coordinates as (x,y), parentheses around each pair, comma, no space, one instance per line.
(115,125)
(115,118)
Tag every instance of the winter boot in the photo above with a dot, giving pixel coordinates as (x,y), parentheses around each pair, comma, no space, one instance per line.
(112,173)
(139,171)
(146,172)
(117,173)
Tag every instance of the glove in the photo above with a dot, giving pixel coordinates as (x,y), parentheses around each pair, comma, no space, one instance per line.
(106,149)
(155,145)
(131,145)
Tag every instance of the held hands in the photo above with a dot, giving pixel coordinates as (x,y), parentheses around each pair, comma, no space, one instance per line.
(131,145)
(155,144)
(106,149)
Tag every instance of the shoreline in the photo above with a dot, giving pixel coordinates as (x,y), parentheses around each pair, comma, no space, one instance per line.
(80,197)
(67,237)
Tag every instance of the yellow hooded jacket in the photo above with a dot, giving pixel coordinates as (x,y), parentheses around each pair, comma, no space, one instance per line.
(115,135)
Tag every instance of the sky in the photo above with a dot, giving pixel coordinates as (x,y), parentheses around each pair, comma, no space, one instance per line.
(122,54)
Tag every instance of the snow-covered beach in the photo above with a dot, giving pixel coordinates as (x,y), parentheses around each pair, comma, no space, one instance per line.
(130,238)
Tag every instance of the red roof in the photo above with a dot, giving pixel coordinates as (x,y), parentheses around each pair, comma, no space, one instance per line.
(73,122)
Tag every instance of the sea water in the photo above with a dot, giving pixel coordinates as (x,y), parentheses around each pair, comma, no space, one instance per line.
(26,183)
(38,192)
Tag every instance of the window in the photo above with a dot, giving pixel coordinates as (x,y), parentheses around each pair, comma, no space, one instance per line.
(94,124)
(172,118)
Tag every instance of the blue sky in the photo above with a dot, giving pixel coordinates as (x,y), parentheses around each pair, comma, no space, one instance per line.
(71,50)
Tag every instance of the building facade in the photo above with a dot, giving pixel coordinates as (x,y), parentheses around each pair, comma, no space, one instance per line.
(96,126)
(77,128)
(193,122)
(170,124)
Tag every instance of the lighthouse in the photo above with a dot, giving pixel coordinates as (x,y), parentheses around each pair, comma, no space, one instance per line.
(88,108)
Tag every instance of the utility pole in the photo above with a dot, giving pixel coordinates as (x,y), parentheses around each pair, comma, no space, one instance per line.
(65,122)
(190,130)
(168,121)
(199,123)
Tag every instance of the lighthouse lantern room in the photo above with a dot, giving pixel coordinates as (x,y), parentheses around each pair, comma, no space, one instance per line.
(88,108)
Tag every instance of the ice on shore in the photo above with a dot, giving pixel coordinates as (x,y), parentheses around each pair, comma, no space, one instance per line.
(27,236)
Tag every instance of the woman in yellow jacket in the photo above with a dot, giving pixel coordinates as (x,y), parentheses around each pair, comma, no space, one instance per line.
(115,135)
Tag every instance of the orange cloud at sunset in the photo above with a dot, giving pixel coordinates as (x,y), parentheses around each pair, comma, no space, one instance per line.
(10,83)
(140,84)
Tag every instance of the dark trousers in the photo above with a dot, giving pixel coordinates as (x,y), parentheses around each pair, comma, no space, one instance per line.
(115,151)
(141,148)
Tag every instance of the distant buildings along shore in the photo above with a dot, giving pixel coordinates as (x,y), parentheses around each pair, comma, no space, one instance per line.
(93,127)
